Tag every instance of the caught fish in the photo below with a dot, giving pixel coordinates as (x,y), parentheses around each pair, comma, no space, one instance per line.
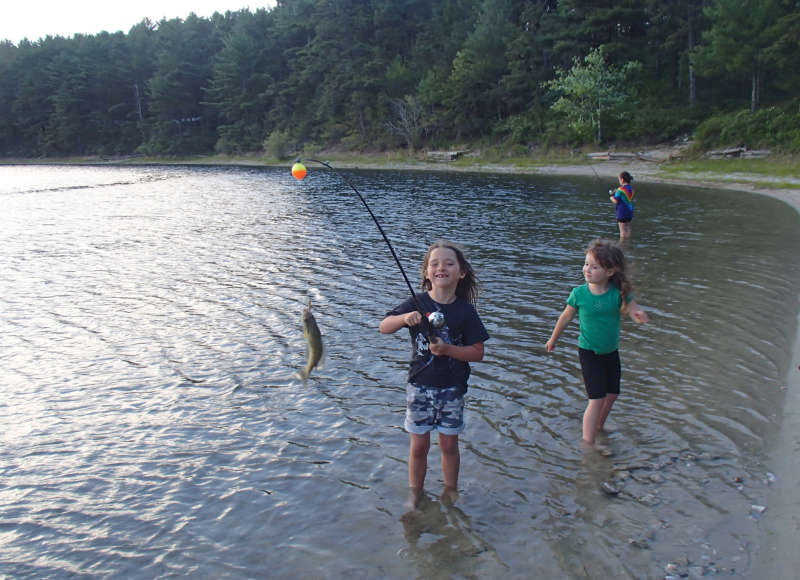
(314,340)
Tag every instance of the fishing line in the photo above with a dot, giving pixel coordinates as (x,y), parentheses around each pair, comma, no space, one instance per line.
(610,191)
(595,173)
(385,239)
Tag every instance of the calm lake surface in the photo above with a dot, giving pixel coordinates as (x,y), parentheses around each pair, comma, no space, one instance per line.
(151,424)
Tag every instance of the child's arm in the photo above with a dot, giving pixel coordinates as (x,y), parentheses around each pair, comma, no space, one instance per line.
(636,313)
(563,320)
(469,353)
(394,323)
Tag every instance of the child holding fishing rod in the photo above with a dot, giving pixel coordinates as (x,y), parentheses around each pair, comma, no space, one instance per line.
(439,367)
(622,197)
(599,304)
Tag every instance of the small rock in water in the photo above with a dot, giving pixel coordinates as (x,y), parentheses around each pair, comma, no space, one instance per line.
(640,543)
(648,499)
(671,568)
(696,572)
(609,488)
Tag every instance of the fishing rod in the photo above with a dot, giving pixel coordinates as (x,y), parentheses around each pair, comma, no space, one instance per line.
(434,319)
(610,191)
(595,172)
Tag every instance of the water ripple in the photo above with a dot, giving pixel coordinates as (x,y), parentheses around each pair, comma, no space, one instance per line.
(154,425)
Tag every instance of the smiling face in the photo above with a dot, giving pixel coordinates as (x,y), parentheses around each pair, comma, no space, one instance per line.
(443,269)
(595,273)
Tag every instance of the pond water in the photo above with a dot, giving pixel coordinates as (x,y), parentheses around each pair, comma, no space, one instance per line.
(153,425)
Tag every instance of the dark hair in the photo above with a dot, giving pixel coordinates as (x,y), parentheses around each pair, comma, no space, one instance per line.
(468,285)
(626,177)
(609,255)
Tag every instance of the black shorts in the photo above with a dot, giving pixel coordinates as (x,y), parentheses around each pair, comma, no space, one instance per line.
(601,373)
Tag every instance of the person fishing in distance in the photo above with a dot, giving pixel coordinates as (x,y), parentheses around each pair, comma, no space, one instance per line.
(622,198)
(439,368)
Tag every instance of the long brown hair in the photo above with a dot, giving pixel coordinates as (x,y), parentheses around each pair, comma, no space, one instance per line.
(610,256)
(468,285)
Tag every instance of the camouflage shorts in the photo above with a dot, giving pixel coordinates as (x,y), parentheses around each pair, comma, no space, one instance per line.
(429,408)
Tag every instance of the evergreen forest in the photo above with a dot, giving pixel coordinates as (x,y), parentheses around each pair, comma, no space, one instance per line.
(377,75)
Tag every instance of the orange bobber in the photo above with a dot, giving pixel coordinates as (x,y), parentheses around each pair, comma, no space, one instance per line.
(298,170)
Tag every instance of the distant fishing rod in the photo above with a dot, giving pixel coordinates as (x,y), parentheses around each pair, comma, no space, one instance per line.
(595,172)
(434,319)
(610,191)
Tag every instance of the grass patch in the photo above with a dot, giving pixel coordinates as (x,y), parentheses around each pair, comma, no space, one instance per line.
(776,167)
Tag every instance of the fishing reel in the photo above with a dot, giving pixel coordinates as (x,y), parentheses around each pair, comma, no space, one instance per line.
(435,319)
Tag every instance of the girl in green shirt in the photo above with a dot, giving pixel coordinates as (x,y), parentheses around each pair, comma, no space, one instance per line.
(598,304)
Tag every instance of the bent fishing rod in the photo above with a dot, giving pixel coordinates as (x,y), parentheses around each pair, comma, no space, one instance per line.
(434,319)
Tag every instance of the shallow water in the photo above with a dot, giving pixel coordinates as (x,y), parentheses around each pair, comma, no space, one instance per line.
(152,423)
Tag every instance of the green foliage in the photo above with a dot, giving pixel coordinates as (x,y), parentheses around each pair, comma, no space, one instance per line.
(278,145)
(747,39)
(777,127)
(592,92)
(377,74)
(522,128)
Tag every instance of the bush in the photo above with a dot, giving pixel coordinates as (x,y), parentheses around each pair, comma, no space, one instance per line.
(657,125)
(771,128)
(522,128)
(278,145)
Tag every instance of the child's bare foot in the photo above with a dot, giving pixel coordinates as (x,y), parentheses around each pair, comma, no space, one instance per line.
(603,450)
(449,495)
(413,499)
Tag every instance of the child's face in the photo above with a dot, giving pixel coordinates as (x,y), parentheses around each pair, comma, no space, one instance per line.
(443,269)
(594,272)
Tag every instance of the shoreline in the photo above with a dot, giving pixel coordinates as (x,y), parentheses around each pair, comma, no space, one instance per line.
(786,189)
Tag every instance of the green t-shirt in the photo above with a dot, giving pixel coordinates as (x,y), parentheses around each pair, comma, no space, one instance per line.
(599,317)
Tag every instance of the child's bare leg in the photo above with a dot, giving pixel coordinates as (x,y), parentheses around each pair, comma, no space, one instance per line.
(624,230)
(591,416)
(607,403)
(418,460)
(451,459)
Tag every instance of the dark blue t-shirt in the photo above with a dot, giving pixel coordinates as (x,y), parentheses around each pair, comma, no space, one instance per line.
(462,327)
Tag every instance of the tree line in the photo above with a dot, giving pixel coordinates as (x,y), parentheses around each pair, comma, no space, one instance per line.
(385,74)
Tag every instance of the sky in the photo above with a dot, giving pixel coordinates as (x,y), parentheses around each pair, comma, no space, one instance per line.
(33,19)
